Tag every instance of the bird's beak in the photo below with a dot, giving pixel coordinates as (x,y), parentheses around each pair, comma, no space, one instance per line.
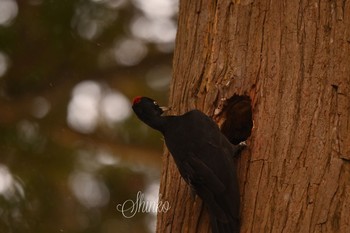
(165,109)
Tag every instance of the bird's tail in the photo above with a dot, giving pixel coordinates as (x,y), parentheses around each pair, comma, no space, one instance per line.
(229,226)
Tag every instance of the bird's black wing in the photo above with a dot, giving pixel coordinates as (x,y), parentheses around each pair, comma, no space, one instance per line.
(222,202)
(205,183)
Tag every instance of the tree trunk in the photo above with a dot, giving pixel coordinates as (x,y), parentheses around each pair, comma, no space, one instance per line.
(292,58)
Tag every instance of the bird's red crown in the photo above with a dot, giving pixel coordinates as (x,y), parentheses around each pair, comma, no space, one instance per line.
(136,100)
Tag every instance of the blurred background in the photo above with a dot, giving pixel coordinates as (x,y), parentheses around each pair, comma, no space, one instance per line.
(71,149)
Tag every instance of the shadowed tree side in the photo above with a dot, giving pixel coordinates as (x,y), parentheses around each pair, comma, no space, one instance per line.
(292,59)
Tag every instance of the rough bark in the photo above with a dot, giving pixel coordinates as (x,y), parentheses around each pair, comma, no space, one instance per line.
(293,59)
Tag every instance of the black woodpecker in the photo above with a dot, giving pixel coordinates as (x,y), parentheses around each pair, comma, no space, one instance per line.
(204,158)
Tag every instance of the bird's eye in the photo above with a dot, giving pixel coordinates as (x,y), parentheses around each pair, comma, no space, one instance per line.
(155,103)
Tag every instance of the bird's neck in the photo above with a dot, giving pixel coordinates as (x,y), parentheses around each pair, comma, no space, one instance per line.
(156,122)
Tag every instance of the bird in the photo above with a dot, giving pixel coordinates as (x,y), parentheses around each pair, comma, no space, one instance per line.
(204,157)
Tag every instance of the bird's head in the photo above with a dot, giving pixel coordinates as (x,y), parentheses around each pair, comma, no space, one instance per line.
(148,111)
